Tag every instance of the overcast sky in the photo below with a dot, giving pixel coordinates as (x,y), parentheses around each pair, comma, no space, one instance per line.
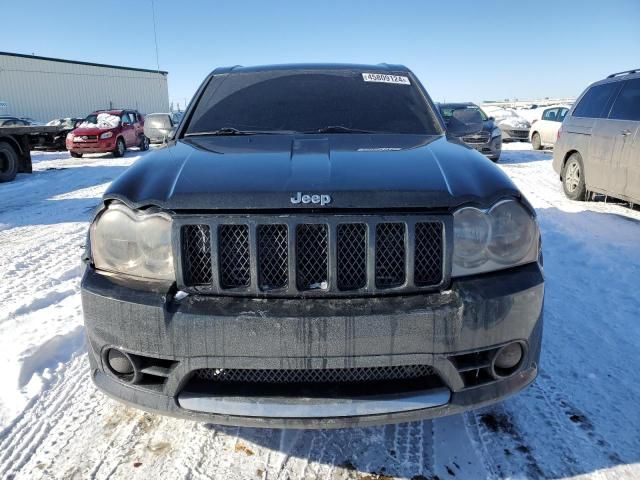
(461,50)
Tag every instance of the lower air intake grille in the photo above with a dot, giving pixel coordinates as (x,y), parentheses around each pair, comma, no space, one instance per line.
(312,255)
(235,263)
(390,255)
(327,375)
(196,245)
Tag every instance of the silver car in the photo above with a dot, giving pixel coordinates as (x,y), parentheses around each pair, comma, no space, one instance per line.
(598,148)
(158,126)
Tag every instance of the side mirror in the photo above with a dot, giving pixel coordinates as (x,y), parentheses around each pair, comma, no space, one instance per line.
(491,118)
(169,136)
(465,121)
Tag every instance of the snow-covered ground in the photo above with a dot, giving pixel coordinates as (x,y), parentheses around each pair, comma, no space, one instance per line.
(581,419)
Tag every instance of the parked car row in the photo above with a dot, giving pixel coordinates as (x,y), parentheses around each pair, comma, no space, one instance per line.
(596,141)
(126,130)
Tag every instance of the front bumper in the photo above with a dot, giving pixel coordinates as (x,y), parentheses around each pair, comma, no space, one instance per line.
(206,332)
(99,146)
(491,149)
(515,134)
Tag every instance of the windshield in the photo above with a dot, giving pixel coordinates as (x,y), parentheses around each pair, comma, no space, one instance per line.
(308,101)
(62,122)
(447,112)
(101,120)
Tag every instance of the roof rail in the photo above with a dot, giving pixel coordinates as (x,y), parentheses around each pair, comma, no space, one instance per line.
(635,70)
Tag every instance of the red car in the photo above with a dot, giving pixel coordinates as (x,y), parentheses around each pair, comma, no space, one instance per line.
(108,131)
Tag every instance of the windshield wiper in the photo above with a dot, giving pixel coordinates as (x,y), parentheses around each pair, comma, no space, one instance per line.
(228,131)
(340,129)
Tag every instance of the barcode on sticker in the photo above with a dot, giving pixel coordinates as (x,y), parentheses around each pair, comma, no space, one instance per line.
(385,78)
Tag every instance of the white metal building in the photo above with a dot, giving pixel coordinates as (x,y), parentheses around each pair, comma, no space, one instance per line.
(46,88)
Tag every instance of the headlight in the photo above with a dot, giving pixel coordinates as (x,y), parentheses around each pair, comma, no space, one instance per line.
(504,236)
(70,136)
(133,243)
(496,133)
(105,135)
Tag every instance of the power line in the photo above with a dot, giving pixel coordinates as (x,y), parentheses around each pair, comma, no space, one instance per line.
(155,39)
(155,34)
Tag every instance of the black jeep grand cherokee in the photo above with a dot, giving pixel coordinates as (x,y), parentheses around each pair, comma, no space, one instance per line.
(313,249)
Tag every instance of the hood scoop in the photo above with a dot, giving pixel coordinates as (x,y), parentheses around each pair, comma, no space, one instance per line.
(310,163)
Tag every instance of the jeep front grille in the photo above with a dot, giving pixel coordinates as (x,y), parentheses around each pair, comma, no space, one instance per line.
(312,255)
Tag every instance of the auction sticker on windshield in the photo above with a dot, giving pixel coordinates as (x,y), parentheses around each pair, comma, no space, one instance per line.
(386,78)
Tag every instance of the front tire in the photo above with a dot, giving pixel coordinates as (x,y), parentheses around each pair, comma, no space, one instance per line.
(120,148)
(144,143)
(76,154)
(536,143)
(8,162)
(573,182)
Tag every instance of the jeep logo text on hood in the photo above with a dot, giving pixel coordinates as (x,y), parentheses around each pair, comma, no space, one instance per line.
(322,199)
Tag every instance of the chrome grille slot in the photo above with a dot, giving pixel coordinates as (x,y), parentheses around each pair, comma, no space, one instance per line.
(428,255)
(312,254)
(234,256)
(352,256)
(196,259)
(390,255)
(273,256)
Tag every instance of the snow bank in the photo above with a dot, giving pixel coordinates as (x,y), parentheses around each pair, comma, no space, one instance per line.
(104,120)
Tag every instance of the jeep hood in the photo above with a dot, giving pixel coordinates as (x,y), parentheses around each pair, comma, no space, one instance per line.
(358,172)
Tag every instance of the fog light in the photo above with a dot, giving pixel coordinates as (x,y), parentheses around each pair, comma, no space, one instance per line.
(508,359)
(119,362)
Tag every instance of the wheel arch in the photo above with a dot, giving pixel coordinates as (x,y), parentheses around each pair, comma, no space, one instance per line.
(22,151)
(14,143)
(566,157)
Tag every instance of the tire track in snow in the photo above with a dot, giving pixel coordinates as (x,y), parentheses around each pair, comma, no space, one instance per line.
(21,440)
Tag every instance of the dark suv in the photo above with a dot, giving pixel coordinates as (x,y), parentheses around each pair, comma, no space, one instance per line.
(487,141)
(313,249)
